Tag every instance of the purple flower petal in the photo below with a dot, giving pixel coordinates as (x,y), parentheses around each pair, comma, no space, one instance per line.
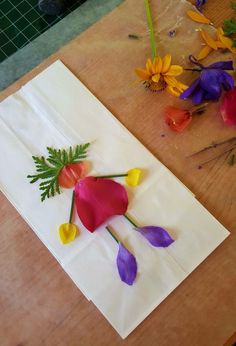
(157,236)
(126,264)
(188,92)
(197,97)
(221,65)
(227,81)
(210,81)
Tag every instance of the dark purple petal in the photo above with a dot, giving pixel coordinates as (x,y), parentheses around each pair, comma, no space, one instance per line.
(157,236)
(126,264)
(199,4)
(221,65)
(197,97)
(188,92)
(227,81)
(210,80)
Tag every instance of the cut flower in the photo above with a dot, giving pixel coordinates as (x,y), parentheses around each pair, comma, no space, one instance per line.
(208,85)
(67,232)
(159,74)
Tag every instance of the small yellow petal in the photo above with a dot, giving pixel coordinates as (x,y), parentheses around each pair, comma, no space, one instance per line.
(133,177)
(173,91)
(208,39)
(170,80)
(158,65)
(220,44)
(166,63)
(67,232)
(198,17)
(156,78)
(227,42)
(204,52)
(174,70)
(143,74)
(149,66)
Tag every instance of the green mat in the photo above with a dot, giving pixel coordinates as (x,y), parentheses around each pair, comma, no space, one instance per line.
(21,22)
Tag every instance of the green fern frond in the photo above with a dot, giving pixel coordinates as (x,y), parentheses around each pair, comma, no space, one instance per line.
(48,169)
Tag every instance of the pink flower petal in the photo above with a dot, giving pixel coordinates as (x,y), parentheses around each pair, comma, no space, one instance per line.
(97,199)
(228,107)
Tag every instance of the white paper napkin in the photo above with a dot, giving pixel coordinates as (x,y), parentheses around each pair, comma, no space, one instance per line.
(56,109)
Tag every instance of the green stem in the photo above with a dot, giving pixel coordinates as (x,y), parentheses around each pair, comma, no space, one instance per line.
(112,176)
(72,206)
(150,26)
(131,221)
(108,229)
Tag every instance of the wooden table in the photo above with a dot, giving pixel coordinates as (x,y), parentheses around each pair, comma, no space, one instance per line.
(39,304)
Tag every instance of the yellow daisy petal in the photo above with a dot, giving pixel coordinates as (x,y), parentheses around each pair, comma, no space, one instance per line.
(133,177)
(170,80)
(156,78)
(166,63)
(220,44)
(227,42)
(67,232)
(173,91)
(198,17)
(174,70)
(149,66)
(208,39)
(158,64)
(204,52)
(143,74)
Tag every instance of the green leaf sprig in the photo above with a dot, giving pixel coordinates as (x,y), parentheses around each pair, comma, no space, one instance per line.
(229,26)
(48,169)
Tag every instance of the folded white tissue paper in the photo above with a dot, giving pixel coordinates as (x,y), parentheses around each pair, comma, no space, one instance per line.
(56,109)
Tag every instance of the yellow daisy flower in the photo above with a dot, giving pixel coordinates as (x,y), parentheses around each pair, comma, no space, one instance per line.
(159,74)
(210,44)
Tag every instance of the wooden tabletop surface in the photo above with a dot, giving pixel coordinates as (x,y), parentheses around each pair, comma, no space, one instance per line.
(39,303)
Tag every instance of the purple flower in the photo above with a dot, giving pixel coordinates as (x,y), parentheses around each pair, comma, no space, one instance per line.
(208,85)
(157,236)
(127,265)
(199,4)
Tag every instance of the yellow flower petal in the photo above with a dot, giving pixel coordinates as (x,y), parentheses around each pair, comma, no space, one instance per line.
(149,66)
(208,39)
(198,17)
(156,78)
(133,177)
(227,42)
(220,44)
(67,232)
(143,74)
(204,52)
(170,80)
(174,70)
(173,91)
(158,64)
(166,63)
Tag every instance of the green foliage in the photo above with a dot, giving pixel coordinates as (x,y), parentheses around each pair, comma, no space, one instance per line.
(229,27)
(49,169)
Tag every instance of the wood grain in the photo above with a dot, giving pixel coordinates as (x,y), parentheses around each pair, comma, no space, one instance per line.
(39,304)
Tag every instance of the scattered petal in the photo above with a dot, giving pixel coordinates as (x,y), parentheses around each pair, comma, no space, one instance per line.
(67,232)
(204,52)
(133,177)
(198,17)
(228,107)
(126,265)
(156,236)
(177,119)
(156,78)
(208,39)
(97,199)
(71,173)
